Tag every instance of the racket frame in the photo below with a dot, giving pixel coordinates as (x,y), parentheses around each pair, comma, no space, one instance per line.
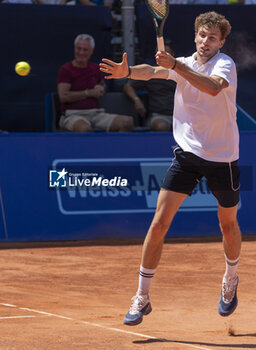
(159,29)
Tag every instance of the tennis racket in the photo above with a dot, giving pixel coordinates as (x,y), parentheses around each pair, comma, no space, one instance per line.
(159,10)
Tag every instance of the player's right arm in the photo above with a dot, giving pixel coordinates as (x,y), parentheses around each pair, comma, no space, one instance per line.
(138,72)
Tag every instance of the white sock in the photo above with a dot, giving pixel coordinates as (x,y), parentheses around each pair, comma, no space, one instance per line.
(231,267)
(145,280)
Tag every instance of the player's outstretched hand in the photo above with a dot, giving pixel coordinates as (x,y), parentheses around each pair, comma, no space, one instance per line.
(164,59)
(116,70)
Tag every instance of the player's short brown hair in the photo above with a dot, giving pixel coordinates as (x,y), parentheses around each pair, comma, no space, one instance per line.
(213,19)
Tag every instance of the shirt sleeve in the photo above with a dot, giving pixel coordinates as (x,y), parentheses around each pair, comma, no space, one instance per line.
(224,68)
(64,76)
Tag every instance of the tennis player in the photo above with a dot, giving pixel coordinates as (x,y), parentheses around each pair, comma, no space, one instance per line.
(206,132)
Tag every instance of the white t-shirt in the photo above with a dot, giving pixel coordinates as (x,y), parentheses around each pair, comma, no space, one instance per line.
(203,124)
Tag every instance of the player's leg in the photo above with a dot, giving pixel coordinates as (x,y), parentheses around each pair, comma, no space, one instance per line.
(232,246)
(167,205)
(179,182)
(224,181)
(231,231)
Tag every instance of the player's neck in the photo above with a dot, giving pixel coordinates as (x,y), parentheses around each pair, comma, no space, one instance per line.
(201,60)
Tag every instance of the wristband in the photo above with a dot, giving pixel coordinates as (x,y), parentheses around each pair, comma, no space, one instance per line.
(174,64)
(86,93)
(129,72)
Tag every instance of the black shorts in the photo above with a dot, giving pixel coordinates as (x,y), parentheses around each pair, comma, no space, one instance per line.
(187,169)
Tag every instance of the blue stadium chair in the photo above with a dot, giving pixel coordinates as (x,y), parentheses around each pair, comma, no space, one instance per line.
(52,112)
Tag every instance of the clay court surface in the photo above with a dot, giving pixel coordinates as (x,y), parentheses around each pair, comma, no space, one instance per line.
(75,298)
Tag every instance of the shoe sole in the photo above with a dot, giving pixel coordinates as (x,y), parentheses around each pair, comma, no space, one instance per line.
(140,319)
(225,314)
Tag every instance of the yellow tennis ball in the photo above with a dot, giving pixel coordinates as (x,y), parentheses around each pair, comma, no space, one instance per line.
(22,68)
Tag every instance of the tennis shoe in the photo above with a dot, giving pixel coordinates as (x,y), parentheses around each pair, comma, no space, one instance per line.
(228,299)
(140,306)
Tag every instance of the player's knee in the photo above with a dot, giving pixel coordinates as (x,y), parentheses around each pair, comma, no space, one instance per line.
(228,228)
(159,229)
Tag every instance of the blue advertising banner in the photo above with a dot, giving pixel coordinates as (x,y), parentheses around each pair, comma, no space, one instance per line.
(103,186)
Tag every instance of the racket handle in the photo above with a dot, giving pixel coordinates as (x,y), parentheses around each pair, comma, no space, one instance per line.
(160,43)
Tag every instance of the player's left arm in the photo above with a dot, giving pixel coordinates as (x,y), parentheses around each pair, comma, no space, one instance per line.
(221,81)
(211,85)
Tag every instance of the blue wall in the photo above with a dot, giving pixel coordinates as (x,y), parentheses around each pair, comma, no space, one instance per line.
(33,211)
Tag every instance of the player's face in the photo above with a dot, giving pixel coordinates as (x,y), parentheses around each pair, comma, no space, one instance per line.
(208,42)
(83,52)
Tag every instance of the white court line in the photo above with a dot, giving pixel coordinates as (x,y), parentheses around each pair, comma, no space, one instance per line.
(108,328)
(7,317)
(10,305)
(46,313)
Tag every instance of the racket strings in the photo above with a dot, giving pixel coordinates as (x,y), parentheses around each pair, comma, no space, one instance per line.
(159,7)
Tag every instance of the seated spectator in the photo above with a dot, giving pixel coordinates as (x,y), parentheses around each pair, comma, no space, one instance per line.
(80,85)
(160,99)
